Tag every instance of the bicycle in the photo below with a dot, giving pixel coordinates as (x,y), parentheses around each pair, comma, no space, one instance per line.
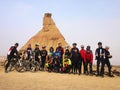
(28,65)
(12,65)
(35,65)
(23,65)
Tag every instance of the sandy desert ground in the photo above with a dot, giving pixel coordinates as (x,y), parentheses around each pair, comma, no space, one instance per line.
(55,81)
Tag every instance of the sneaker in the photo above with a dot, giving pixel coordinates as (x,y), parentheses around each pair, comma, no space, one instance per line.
(6,71)
(111,76)
(91,74)
(97,75)
(79,74)
(102,75)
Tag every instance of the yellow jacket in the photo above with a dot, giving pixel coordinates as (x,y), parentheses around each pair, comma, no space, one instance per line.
(66,61)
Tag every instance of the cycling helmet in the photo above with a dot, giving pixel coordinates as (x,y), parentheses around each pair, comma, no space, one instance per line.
(74,43)
(16,44)
(37,44)
(99,43)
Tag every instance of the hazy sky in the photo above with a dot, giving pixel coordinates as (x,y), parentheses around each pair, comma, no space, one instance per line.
(83,21)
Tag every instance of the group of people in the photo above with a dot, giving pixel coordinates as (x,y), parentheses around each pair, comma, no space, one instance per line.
(66,60)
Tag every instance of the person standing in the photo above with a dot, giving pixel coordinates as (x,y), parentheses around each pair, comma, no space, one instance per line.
(61,51)
(49,60)
(83,53)
(43,56)
(67,51)
(28,52)
(57,53)
(100,54)
(37,52)
(51,52)
(107,61)
(89,60)
(12,53)
(75,58)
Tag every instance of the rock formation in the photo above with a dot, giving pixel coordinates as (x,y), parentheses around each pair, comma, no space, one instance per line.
(48,36)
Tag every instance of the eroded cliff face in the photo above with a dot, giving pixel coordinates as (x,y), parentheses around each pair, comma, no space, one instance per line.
(48,36)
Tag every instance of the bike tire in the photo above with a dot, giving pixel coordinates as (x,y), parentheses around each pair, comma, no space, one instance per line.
(10,68)
(6,61)
(35,66)
(19,67)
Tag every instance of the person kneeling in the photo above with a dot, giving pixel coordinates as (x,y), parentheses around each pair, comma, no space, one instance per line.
(49,63)
(57,64)
(66,65)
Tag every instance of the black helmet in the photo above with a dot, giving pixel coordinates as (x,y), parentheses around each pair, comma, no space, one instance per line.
(16,44)
(88,46)
(43,46)
(99,43)
(74,43)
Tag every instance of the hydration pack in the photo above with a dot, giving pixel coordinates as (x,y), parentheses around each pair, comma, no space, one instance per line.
(10,50)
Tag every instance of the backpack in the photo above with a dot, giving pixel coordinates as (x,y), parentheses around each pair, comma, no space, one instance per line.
(10,50)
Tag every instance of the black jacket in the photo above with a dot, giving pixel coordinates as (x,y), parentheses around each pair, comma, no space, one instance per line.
(12,52)
(43,53)
(98,52)
(37,52)
(106,55)
(67,52)
(75,56)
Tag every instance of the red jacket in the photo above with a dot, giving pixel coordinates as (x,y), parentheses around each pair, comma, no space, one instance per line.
(83,53)
(89,56)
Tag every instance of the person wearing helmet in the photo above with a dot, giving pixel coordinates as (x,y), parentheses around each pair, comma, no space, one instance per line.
(12,53)
(66,64)
(61,50)
(37,52)
(56,64)
(76,59)
(89,60)
(57,52)
(43,56)
(107,61)
(28,52)
(67,51)
(99,53)
(83,53)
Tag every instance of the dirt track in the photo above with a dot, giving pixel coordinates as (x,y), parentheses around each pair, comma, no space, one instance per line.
(55,81)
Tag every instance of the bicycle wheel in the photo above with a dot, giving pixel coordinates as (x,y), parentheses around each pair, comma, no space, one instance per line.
(19,66)
(6,61)
(27,66)
(35,66)
(10,67)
